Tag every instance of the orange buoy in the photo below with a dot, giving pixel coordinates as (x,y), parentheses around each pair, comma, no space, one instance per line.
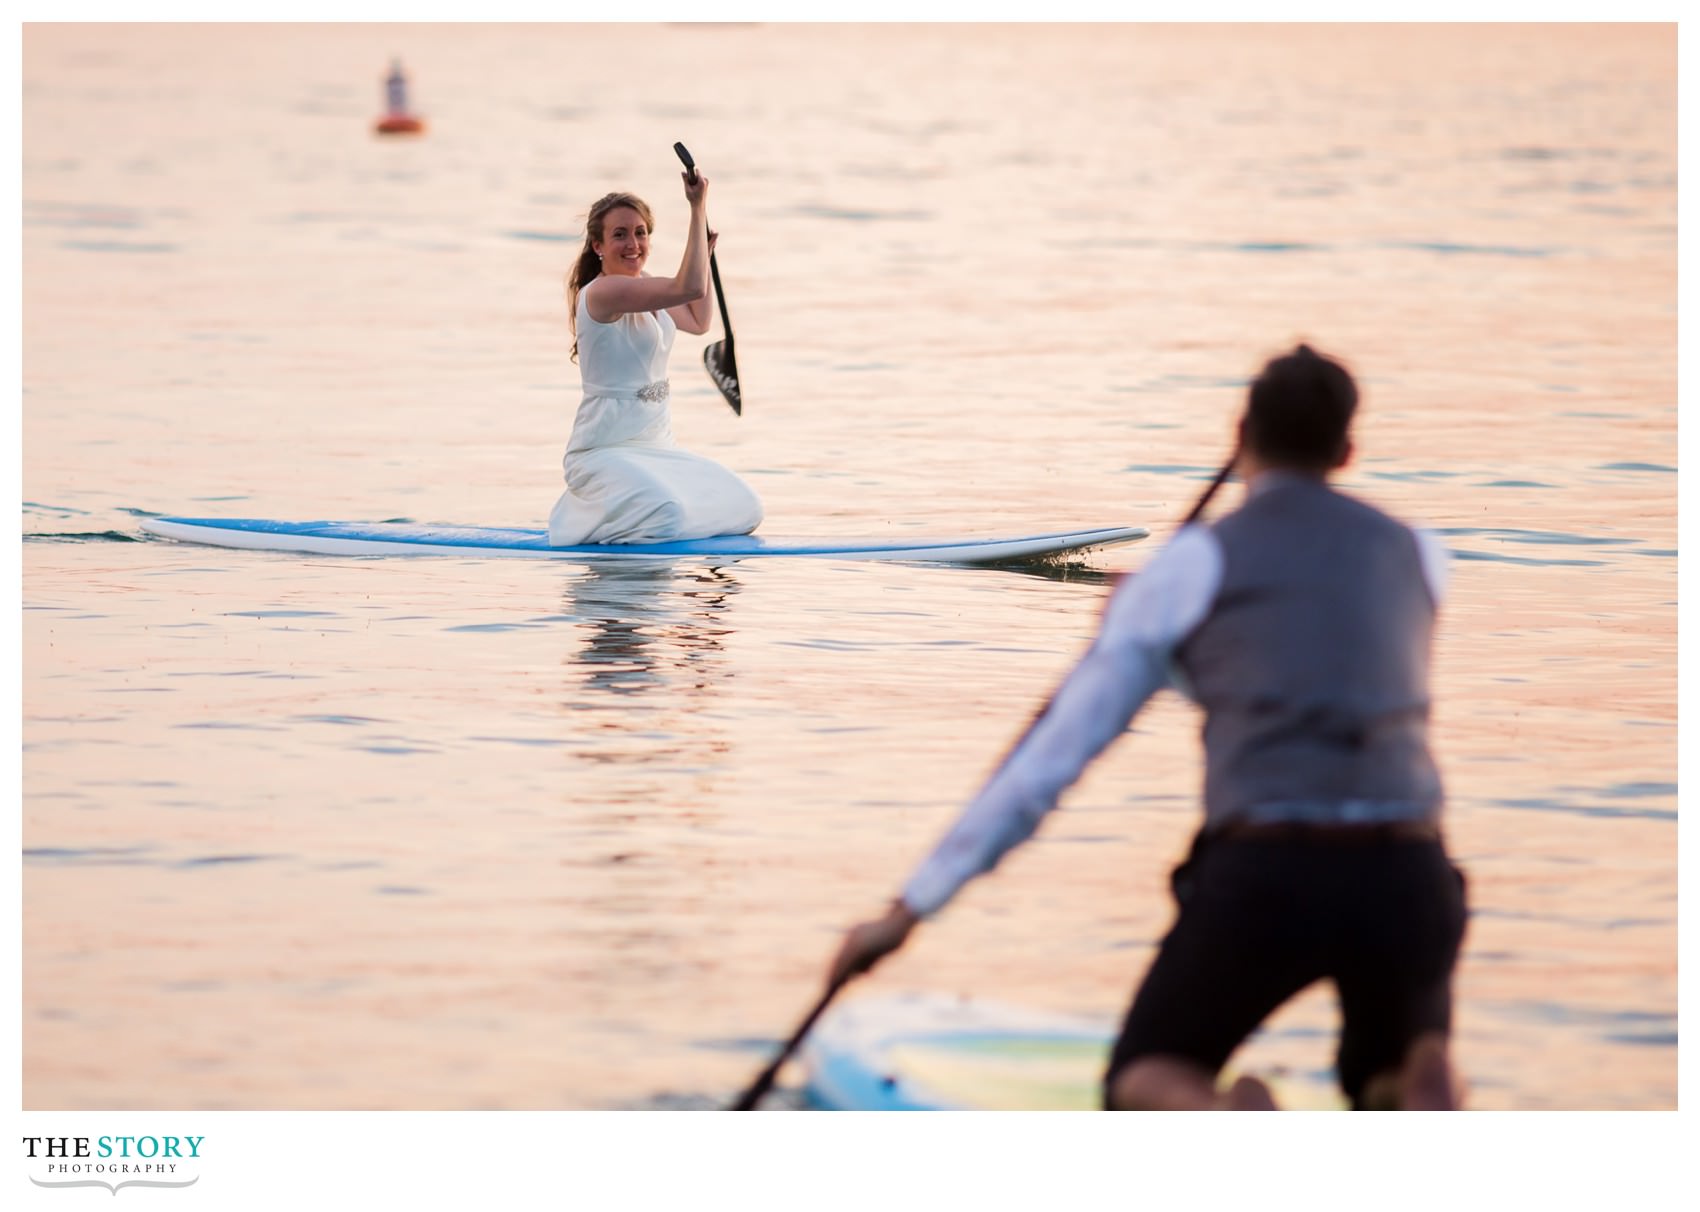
(398,121)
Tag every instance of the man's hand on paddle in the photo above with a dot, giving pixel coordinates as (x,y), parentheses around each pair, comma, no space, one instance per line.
(867,944)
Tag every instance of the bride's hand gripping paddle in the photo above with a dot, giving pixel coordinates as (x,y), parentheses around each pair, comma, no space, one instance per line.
(720,358)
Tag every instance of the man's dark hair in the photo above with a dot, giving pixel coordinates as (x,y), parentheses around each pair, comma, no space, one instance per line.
(1299,411)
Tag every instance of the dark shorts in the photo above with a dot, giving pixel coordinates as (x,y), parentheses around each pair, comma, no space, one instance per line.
(1262,919)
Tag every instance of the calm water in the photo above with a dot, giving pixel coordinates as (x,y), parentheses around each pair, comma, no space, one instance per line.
(321,833)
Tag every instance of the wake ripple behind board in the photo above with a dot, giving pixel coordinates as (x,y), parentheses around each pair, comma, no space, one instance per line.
(406,538)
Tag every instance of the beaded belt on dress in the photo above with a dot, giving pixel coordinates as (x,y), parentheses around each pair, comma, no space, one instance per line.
(653,393)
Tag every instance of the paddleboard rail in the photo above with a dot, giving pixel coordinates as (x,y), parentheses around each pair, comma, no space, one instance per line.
(412,539)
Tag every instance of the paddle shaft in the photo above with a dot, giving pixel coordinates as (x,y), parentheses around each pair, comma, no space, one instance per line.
(720,298)
(720,358)
(1221,479)
(765,1079)
(713,263)
(1198,507)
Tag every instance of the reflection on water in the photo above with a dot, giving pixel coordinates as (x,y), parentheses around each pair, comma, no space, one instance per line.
(651,663)
(649,626)
(1067,569)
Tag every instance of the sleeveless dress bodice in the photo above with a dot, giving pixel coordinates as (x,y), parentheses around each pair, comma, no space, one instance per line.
(627,480)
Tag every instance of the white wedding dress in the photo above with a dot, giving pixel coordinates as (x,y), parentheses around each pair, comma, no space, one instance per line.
(627,481)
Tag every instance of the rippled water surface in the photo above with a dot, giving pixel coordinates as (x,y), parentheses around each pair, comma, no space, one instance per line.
(307,832)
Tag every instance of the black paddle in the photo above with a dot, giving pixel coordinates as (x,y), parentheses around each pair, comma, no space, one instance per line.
(720,358)
(1221,479)
(765,1079)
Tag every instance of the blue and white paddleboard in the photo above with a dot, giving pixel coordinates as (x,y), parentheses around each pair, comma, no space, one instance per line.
(407,538)
(935,1052)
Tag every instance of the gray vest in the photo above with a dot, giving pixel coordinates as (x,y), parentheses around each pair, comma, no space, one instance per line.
(1312,665)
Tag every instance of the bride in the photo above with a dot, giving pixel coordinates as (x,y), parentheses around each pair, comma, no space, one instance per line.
(627,481)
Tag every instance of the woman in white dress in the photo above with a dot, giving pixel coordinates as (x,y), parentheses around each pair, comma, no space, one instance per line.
(627,481)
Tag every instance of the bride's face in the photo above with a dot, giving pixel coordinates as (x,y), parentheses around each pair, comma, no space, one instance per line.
(624,246)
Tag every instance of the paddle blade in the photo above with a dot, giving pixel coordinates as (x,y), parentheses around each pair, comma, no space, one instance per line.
(722,363)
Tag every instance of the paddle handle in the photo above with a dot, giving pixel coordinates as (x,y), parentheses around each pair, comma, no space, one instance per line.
(764,1080)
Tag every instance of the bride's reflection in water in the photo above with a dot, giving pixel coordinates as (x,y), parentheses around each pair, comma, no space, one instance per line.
(649,668)
(648,625)
(650,744)
(649,662)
